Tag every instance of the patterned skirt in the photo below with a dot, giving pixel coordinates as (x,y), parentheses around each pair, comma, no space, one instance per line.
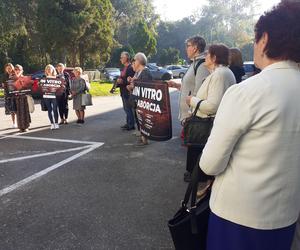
(23,115)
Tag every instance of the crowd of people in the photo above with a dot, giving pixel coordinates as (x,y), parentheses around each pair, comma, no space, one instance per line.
(251,159)
(17,105)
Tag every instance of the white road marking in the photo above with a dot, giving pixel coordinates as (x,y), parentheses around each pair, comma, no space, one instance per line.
(43,154)
(51,139)
(48,170)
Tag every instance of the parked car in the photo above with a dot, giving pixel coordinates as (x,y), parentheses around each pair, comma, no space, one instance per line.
(111,74)
(177,70)
(159,73)
(250,69)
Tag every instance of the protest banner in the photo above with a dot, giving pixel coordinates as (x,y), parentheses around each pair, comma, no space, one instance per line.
(22,85)
(50,87)
(153,109)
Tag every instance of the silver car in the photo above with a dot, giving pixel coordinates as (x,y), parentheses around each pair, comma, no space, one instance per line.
(177,70)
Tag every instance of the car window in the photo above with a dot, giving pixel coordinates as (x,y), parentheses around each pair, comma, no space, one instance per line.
(248,68)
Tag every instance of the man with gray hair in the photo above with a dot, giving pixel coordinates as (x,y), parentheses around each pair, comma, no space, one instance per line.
(122,82)
(191,82)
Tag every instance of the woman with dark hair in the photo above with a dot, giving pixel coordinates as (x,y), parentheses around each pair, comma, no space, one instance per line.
(210,95)
(253,149)
(236,64)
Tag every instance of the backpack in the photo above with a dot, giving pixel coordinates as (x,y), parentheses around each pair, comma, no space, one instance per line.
(198,64)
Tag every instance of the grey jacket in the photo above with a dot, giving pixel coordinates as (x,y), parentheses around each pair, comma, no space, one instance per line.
(191,83)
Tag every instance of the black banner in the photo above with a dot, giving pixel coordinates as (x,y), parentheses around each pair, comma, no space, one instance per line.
(153,109)
(22,85)
(50,87)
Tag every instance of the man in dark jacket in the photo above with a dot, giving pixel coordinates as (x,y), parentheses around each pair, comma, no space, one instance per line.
(122,83)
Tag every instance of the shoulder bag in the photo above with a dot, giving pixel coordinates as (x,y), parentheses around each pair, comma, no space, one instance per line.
(189,226)
(86,98)
(196,130)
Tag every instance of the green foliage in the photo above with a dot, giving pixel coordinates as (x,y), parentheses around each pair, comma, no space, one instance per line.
(168,56)
(115,56)
(142,40)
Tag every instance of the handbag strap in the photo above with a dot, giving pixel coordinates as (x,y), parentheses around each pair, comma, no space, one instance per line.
(197,107)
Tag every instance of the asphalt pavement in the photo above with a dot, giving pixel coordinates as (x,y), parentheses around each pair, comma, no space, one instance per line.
(87,186)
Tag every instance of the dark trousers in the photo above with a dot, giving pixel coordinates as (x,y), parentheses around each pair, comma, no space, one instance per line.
(63,108)
(128,111)
(51,104)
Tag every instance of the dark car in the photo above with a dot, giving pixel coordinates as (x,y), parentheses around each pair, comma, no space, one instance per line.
(250,69)
(159,73)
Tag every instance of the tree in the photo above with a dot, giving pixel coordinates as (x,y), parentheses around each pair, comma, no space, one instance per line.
(142,39)
(78,31)
(168,56)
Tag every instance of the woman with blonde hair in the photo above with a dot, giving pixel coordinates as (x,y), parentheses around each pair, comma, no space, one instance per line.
(50,100)
(78,87)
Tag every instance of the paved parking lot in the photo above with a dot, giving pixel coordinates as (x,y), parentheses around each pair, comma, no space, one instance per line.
(87,186)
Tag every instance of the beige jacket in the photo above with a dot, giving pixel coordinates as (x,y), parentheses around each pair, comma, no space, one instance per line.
(212,91)
(253,150)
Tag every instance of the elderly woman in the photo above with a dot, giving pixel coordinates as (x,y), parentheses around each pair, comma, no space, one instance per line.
(23,115)
(253,149)
(10,102)
(78,87)
(50,100)
(210,94)
(142,73)
(236,64)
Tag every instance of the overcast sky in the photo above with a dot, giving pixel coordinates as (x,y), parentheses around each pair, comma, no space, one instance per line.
(171,10)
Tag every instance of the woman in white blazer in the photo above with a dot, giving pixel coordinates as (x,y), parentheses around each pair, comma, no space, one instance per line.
(254,147)
(210,94)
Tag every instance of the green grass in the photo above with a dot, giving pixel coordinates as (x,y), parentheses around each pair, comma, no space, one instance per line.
(102,89)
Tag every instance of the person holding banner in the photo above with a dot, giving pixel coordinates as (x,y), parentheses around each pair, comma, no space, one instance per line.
(62,97)
(50,99)
(122,82)
(23,115)
(10,102)
(142,73)
(78,87)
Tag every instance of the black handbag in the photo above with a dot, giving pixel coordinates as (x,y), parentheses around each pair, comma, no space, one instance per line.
(196,129)
(189,226)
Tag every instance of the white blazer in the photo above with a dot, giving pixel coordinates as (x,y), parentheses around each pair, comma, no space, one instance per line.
(212,91)
(254,150)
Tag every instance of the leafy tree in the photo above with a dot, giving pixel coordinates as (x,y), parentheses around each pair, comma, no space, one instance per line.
(142,39)
(168,56)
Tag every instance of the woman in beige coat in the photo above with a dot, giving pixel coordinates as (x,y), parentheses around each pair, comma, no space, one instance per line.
(210,94)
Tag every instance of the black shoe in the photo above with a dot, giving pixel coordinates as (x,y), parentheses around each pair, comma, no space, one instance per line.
(78,121)
(187,177)
(124,126)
